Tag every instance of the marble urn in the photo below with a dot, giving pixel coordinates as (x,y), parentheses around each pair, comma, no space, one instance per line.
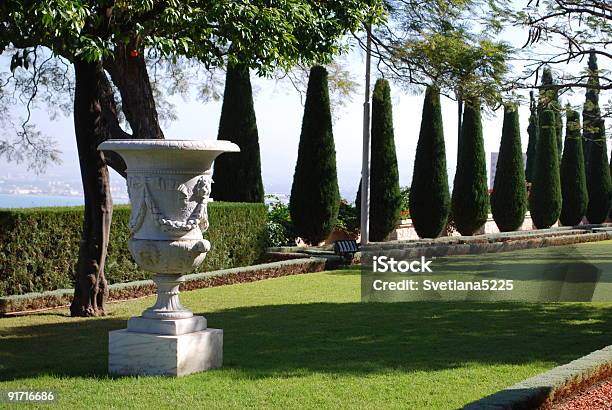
(169,185)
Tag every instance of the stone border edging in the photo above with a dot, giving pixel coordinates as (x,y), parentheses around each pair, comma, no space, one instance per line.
(30,302)
(516,242)
(540,390)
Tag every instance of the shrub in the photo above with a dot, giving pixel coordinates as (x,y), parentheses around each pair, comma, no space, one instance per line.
(405,202)
(348,218)
(39,246)
(591,113)
(574,193)
(385,198)
(599,185)
(509,197)
(238,174)
(429,197)
(549,100)
(545,196)
(315,197)
(532,130)
(281,231)
(470,200)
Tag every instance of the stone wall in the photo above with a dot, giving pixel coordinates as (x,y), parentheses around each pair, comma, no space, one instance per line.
(405,229)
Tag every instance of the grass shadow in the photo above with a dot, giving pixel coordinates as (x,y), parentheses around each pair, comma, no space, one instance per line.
(337,338)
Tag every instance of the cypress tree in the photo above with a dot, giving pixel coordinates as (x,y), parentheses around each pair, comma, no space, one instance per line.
(549,100)
(573,178)
(532,131)
(509,197)
(429,197)
(237,175)
(384,176)
(599,184)
(545,196)
(315,198)
(591,113)
(470,200)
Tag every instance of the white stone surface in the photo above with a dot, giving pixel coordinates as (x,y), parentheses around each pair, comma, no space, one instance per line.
(145,354)
(166,327)
(169,184)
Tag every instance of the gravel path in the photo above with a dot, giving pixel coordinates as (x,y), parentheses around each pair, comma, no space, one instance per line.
(597,397)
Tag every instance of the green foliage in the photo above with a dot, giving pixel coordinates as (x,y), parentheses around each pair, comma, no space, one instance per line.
(237,175)
(348,218)
(573,177)
(545,196)
(532,130)
(470,200)
(509,197)
(436,42)
(262,34)
(599,184)
(385,197)
(591,113)
(429,197)
(594,132)
(280,228)
(39,246)
(315,198)
(549,100)
(405,202)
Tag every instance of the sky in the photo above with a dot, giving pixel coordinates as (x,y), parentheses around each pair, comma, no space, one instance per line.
(279,113)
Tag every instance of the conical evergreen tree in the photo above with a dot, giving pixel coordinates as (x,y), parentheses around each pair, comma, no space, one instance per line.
(545,196)
(237,176)
(591,113)
(549,100)
(315,198)
(429,196)
(599,184)
(470,200)
(575,197)
(384,176)
(532,130)
(509,197)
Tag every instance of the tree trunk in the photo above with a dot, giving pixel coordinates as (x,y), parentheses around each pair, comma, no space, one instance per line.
(95,120)
(90,284)
(128,70)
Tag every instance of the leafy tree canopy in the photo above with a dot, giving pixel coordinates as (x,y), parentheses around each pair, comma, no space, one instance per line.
(262,34)
(446,43)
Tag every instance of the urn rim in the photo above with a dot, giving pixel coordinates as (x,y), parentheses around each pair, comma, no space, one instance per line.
(168,144)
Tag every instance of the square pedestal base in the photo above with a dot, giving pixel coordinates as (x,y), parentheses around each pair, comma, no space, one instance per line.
(172,327)
(134,353)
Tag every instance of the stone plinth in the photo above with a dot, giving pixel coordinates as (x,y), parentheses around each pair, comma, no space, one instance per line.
(166,327)
(146,354)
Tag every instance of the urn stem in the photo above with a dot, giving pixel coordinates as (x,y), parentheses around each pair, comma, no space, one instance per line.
(168,305)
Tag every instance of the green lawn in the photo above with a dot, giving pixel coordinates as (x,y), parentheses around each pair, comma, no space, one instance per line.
(307,341)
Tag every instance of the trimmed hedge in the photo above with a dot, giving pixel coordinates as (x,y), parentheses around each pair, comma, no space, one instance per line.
(237,175)
(545,196)
(121,291)
(39,246)
(429,196)
(509,196)
(315,199)
(470,198)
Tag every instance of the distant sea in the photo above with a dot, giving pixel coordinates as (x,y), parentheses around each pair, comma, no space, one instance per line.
(32,201)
